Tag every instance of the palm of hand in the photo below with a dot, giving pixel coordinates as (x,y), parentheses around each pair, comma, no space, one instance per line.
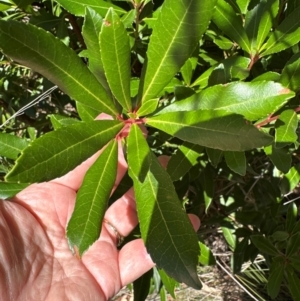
(36,262)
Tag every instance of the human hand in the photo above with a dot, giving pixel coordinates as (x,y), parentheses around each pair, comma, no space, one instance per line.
(35,260)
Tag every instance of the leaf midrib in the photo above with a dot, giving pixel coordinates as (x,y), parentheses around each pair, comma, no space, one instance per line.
(165,55)
(68,149)
(62,70)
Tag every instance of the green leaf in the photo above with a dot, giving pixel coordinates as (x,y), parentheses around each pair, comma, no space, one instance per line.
(147,107)
(290,76)
(264,245)
(206,256)
(86,113)
(293,177)
(214,156)
(177,31)
(275,277)
(22,3)
(295,262)
(169,283)
(293,245)
(90,32)
(280,157)
(243,5)
(231,24)
(8,190)
(166,230)
(285,35)
(229,236)
(236,161)
(141,286)
(215,129)
(253,100)
(286,127)
(44,53)
(280,235)
(77,7)
(11,145)
(206,178)
(188,69)
(268,76)
(59,121)
(259,21)
(56,153)
(85,224)
(115,54)
(184,159)
(291,217)
(293,283)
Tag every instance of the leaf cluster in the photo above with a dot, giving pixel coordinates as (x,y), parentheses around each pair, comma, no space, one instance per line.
(211,84)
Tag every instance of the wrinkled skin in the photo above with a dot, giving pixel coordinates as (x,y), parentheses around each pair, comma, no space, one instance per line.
(35,260)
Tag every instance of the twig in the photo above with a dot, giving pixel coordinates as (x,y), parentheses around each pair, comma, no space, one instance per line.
(236,281)
(30,104)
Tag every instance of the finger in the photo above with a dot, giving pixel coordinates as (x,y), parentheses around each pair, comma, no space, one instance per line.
(134,261)
(195,221)
(122,215)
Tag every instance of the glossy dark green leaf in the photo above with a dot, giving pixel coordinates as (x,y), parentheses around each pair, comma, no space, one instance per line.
(268,76)
(259,21)
(291,217)
(86,113)
(215,129)
(231,24)
(166,230)
(8,190)
(253,100)
(280,157)
(56,153)
(264,245)
(290,76)
(77,7)
(285,35)
(141,286)
(115,54)
(236,161)
(275,277)
(286,126)
(177,31)
(185,158)
(54,60)
(147,107)
(293,245)
(293,283)
(59,121)
(85,224)
(11,145)
(169,283)
(206,256)
(90,32)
